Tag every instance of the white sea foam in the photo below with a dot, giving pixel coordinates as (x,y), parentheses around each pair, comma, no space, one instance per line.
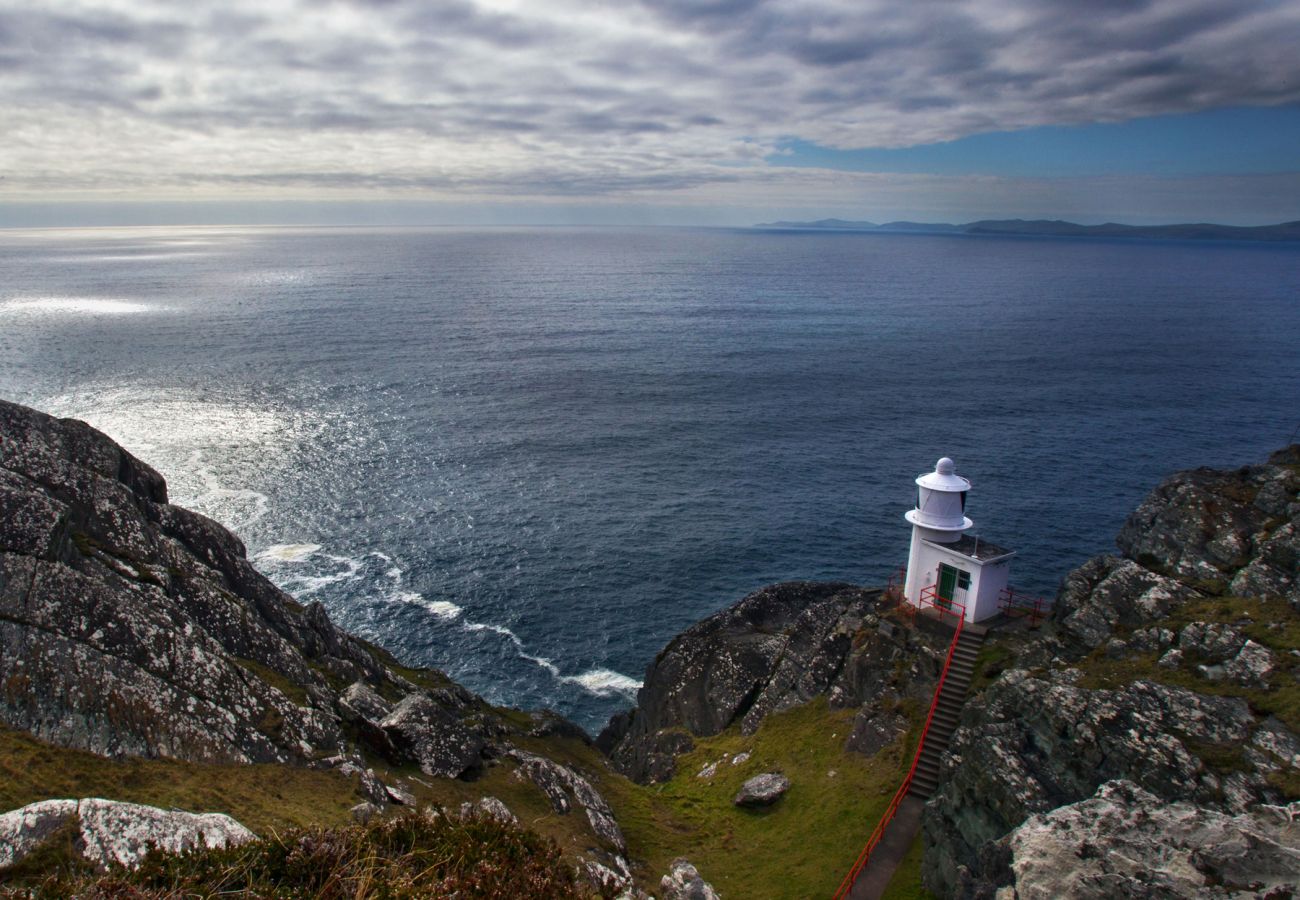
(604,682)
(296,583)
(599,682)
(443,609)
(239,507)
(288,553)
(102,306)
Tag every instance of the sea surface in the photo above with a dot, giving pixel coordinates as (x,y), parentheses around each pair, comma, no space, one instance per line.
(531,457)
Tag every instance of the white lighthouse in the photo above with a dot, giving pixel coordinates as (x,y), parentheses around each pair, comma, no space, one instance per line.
(945,565)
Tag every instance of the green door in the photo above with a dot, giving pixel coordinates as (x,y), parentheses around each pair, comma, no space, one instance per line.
(947,584)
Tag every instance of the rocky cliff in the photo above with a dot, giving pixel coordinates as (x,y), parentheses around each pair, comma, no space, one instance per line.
(776,649)
(132,626)
(1172,668)
(1164,698)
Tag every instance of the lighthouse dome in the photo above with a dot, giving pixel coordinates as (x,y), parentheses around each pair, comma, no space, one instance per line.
(944,478)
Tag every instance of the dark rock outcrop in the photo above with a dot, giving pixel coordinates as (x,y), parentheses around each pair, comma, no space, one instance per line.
(775,649)
(1043,738)
(1220,531)
(129,626)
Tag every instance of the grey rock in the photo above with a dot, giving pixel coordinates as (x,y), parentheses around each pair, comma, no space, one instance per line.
(683,882)
(1252,665)
(762,790)
(611,876)
(1152,639)
(1127,842)
(25,829)
(563,786)
(489,807)
(361,703)
(1107,593)
(1171,659)
(709,770)
(110,832)
(874,729)
(368,783)
(1028,745)
(400,795)
(1214,672)
(428,734)
(365,811)
(1213,641)
(1228,530)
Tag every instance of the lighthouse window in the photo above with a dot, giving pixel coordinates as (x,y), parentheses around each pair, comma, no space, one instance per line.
(963,578)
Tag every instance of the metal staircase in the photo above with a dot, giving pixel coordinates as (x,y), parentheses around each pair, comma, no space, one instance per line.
(947,711)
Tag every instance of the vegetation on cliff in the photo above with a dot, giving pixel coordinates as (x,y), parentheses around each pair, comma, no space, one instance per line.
(143,659)
(406,856)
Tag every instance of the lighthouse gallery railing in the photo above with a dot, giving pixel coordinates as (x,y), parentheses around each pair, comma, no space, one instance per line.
(929,597)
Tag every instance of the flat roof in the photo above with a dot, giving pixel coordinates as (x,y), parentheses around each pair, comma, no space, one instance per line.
(975,548)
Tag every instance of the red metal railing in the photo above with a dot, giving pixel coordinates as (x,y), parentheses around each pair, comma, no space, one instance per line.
(1013,603)
(894,585)
(892,809)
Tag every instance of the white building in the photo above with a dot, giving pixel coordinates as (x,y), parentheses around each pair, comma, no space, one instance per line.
(946,566)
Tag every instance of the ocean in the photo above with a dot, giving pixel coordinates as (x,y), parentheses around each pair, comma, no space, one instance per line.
(532,456)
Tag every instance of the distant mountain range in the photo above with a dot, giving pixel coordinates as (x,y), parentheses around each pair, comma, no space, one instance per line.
(1286,231)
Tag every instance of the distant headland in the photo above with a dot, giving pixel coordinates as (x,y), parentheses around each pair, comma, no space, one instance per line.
(1285,231)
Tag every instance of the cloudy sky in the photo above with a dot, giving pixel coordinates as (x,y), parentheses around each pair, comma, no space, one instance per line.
(660,111)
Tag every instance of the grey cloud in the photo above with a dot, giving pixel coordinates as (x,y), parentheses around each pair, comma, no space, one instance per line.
(665,95)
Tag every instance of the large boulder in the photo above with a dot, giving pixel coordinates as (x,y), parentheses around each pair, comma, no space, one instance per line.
(130,626)
(762,790)
(430,735)
(109,832)
(1030,744)
(1127,842)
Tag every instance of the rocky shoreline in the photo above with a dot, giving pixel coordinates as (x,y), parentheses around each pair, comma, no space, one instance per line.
(1161,698)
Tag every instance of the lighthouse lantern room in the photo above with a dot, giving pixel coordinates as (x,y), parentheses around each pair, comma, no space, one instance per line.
(946,566)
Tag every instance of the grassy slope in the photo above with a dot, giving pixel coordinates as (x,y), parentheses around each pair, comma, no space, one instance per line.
(798,848)
(801,846)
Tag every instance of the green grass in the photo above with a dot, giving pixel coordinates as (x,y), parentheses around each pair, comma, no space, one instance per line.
(263,797)
(800,847)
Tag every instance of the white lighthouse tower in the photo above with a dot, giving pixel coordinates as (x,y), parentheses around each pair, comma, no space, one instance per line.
(945,565)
